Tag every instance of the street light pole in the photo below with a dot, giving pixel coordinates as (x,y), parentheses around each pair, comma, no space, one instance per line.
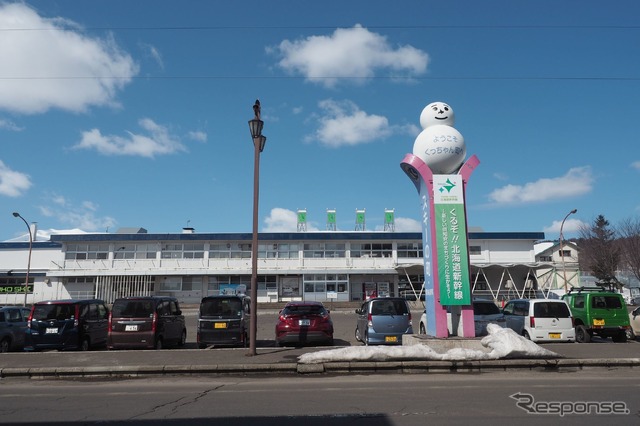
(255,126)
(26,282)
(564,269)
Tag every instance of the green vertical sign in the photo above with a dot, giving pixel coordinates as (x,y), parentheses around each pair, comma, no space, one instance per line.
(359,217)
(451,240)
(388,217)
(331,217)
(302,217)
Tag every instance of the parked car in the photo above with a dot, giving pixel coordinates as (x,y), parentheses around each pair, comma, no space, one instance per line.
(598,311)
(224,320)
(152,322)
(302,323)
(67,324)
(540,320)
(484,312)
(634,321)
(383,320)
(13,328)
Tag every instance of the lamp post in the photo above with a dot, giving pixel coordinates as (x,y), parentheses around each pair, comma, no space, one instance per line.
(26,282)
(255,126)
(564,269)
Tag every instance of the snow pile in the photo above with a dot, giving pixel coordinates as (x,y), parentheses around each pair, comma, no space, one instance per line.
(503,342)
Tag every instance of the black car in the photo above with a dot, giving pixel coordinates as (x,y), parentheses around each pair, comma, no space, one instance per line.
(13,328)
(224,320)
(152,322)
(67,324)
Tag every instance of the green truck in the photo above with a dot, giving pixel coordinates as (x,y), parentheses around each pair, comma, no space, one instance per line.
(598,311)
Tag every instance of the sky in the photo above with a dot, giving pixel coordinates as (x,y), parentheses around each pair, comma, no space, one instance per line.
(125,114)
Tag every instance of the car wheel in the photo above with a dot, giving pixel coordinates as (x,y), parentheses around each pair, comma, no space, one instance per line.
(630,334)
(5,345)
(526,335)
(422,329)
(245,340)
(366,338)
(84,344)
(183,338)
(582,335)
(358,338)
(158,344)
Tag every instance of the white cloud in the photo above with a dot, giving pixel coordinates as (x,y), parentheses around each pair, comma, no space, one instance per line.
(577,181)
(48,63)
(404,224)
(343,123)
(198,136)
(570,225)
(10,125)
(354,54)
(12,183)
(283,220)
(153,53)
(158,142)
(84,216)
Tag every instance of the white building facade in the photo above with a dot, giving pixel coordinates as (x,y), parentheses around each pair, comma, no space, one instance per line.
(322,266)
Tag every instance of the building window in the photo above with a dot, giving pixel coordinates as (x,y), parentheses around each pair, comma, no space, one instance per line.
(475,250)
(320,250)
(278,251)
(322,283)
(172,251)
(545,259)
(87,251)
(146,251)
(193,251)
(371,250)
(410,250)
(565,253)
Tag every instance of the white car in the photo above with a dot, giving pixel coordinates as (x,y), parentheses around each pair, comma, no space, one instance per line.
(634,320)
(540,320)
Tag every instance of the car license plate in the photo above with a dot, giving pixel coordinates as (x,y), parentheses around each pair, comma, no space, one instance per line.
(390,339)
(130,328)
(220,325)
(51,331)
(598,322)
(554,335)
(304,322)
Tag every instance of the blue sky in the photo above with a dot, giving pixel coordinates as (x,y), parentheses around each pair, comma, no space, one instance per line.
(134,113)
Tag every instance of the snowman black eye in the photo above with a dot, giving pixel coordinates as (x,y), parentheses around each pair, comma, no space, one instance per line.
(446,108)
(435,108)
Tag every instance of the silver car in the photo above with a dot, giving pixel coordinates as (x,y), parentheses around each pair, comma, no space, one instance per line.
(383,321)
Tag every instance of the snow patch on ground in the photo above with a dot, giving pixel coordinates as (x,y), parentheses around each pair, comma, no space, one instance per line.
(503,342)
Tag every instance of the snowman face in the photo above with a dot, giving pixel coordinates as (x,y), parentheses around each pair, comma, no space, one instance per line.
(437,113)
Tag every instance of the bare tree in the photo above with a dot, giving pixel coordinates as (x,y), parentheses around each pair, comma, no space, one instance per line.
(629,243)
(599,251)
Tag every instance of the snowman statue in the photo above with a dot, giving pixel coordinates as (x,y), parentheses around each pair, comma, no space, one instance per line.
(439,145)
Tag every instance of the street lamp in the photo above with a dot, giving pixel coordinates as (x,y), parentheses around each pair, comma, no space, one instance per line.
(255,126)
(26,282)
(564,270)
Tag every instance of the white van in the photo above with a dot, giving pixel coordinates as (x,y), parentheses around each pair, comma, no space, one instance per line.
(540,320)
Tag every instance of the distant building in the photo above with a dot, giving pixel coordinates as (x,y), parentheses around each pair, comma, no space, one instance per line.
(323,266)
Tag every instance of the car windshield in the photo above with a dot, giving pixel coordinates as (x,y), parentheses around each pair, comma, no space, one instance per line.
(304,310)
(132,309)
(230,307)
(389,307)
(485,308)
(53,312)
(550,310)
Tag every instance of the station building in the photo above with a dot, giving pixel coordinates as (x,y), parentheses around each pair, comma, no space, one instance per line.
(323,266)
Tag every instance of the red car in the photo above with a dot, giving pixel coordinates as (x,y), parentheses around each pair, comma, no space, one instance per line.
(300,323)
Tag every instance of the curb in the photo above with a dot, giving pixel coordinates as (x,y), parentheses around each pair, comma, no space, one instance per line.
(348,367)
